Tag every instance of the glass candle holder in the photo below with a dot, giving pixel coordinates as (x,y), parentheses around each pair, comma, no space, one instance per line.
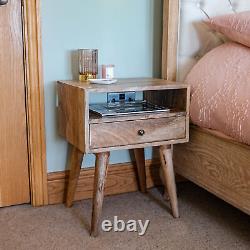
(88,64)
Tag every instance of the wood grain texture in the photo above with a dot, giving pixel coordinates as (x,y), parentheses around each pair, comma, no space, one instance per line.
(133,84)
(101,168)
(35,102)
(170,39)
(75,120)
(73,115)
(127,133)
(94,118)
(75,163)
(121,178)
(219,164)
(141,168)
(14,174)
(175,99)
(169,177)
(144,145)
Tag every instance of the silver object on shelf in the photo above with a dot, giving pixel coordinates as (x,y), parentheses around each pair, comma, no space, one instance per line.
(126,108)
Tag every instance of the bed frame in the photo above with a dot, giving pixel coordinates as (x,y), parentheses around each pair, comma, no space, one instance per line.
(218,164)
(213,161)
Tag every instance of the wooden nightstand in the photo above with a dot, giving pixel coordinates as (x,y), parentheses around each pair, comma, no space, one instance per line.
(88,133)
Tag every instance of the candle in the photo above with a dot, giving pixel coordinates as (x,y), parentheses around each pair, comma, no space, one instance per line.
(108,71)
(88,64)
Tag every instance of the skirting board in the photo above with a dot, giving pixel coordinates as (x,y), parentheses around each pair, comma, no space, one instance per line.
(121,178)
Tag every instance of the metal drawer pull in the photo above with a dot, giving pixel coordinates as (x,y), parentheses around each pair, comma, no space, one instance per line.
(141,132)
(3,2)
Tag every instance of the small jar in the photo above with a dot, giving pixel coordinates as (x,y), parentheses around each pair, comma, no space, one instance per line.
(108,71)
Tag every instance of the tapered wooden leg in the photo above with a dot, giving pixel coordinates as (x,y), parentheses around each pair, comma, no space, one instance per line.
(141,169)
(75,162)
(168,174)
(101,168)
(165,192)
(165,195)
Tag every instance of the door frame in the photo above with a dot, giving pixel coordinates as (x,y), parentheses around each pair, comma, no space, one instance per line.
(34,85)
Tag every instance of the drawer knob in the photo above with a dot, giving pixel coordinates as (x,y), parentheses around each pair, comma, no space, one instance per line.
(141,132)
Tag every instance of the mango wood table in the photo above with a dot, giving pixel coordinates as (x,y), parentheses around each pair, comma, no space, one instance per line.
(89,133)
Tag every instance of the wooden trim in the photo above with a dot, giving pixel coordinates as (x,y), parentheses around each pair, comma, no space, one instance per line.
(121,178)
(35,102)
(170,39)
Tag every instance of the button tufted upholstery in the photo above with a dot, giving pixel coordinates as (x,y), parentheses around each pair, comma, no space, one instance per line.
(195,38)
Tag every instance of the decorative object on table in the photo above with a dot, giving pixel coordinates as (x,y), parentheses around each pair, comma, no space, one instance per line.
(88,64)
(108,71)
(103,81)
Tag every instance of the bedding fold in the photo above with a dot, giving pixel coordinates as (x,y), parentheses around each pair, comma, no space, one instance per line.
(220,91)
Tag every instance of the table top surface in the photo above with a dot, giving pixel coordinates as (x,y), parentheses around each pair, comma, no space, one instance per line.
(128,84)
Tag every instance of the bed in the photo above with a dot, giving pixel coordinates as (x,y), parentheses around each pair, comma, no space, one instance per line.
(212,160)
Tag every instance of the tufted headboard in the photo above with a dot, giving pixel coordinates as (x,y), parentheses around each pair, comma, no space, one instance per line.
(195,39)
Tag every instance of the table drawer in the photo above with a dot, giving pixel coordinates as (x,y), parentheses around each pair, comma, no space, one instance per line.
(136,132)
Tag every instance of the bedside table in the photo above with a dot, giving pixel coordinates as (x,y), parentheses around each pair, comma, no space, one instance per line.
(89,133)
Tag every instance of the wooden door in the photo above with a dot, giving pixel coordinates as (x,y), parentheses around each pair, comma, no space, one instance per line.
(14,174)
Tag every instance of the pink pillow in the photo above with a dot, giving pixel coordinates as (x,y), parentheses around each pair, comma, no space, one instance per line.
(220,91)
(235,26)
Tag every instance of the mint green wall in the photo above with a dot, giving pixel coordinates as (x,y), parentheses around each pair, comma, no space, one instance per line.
(127,34)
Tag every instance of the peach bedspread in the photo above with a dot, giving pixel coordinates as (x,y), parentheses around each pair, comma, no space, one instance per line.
(220,91)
